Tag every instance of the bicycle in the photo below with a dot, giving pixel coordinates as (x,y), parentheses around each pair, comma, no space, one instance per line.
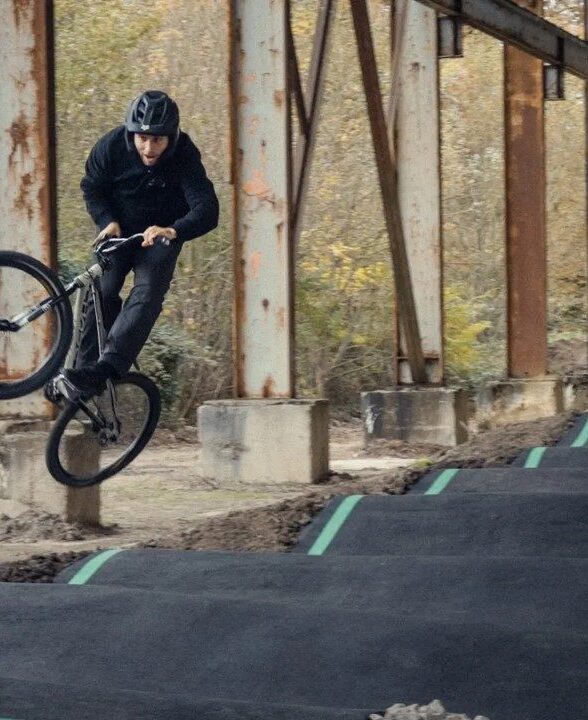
(117,424)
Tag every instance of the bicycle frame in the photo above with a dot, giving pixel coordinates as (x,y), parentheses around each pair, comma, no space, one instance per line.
(86,284)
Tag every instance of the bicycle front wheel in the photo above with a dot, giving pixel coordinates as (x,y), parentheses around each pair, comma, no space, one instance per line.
(94,440)
(31,348)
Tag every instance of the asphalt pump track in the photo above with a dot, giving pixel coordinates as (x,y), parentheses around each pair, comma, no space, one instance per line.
(471,588)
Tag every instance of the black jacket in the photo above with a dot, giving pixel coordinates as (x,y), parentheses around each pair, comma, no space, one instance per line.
(174,193)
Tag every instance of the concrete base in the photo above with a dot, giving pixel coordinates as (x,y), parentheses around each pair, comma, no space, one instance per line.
(575,392)
(25,480)
(518,400)
(431,415)
(264,441)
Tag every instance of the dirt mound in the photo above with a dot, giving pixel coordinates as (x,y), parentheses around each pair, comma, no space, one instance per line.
(38,568)
(34,525)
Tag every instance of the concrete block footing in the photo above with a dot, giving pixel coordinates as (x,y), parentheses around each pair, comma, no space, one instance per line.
(25,480)
(431,415)
(518,400)
(264,441)
(575,392)
(446,416)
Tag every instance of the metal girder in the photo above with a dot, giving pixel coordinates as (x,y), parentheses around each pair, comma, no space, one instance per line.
(27,166)
(260,173)
(387,171)
(308,106)
(416,129)
(518,26)
(526,231)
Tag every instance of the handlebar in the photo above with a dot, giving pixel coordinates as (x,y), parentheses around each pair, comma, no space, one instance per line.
(107,246)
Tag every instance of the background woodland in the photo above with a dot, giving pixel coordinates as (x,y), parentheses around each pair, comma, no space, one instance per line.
(110,50)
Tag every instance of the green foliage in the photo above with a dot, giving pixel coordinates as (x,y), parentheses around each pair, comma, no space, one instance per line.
(467,356)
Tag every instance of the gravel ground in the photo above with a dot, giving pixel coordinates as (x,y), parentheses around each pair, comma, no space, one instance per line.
(433,711)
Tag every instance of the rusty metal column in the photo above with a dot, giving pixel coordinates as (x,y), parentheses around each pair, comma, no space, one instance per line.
(27,146)
(525,210)
(263,329)
(419,179)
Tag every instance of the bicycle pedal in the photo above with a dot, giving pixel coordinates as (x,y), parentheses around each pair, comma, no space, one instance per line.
(66,389)
(52,393)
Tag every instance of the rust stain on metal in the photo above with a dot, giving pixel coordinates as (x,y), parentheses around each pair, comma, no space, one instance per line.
(258,186)
(253,124)
(268,387)
(20,134)
(22,201)
(265,303)
(21,8)
(280,227)
(281,316)
(254,265)
(278,98)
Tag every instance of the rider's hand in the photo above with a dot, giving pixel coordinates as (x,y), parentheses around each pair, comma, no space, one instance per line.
(111,230)
(153,232)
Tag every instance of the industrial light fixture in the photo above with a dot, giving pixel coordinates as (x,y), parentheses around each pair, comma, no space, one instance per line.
(449,36)
(553,82)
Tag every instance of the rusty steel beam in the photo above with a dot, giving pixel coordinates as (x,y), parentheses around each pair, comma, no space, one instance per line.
(260,172)
(526,261)
(312,101)
(389,190)
(520,27)
(296,83)
(27,163)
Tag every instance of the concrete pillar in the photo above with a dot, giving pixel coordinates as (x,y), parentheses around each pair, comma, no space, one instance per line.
(25,480)
(419,179)
(27,160)
(264,442)
(427,415)
(519,400)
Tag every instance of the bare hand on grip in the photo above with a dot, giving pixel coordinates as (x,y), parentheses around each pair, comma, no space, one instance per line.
(111,230)
(152,233)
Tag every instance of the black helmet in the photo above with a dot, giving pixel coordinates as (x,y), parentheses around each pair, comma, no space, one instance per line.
(153,113)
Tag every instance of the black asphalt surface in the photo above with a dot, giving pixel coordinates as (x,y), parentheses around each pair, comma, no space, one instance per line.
(471,588)
(278,652)
(467,525)
(578,433)
(407,585)
(512,480)
(572,458)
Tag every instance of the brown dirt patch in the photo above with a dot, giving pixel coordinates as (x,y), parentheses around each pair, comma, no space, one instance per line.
(34,525)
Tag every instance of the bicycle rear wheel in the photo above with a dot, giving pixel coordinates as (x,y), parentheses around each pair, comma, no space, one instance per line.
(87,444)
(32,354)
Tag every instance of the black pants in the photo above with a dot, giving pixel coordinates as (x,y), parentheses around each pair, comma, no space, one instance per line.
(128,328)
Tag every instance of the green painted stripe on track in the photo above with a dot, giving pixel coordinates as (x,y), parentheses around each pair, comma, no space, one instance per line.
(92,566)
(334,525)
(534,457)
(582,438)
(442,481)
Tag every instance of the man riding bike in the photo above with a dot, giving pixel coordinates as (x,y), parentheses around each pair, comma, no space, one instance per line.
(145,176)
